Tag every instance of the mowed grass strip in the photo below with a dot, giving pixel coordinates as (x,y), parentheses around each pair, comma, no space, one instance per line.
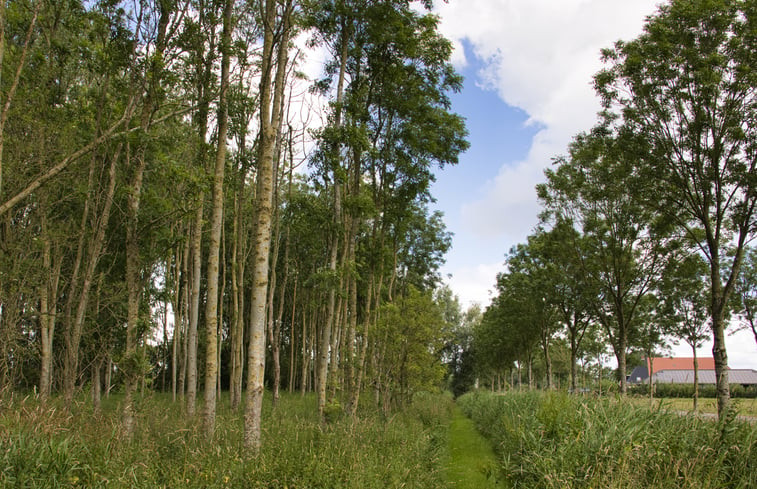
(472,463)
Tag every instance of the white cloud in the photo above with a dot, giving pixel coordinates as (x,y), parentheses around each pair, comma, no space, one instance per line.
(541,52)
(540,57)
(474,284)
(508,206)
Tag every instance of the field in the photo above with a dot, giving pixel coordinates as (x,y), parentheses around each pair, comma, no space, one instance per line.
(47,447)
(553,440)
(744,407)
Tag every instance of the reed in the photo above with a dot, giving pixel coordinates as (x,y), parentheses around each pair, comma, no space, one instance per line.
(554,440)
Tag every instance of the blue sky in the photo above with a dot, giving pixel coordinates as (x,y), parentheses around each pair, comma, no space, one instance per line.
(498,136)
(527,66)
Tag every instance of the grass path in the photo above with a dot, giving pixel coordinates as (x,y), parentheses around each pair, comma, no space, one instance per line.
(472,463)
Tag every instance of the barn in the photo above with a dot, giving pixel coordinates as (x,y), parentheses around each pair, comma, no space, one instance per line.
(680,370)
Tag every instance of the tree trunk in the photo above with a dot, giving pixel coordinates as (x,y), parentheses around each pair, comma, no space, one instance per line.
(306,341)
(620,356)
(48,300)
(133,282)
(520,375)
(545,339)
(164,347)
(96,384)
(272,288)
(108,376)
(336,338)
(130,362)
(204,53)
(276,346)
(721,364)
(269,123)
(276,324)
(216,224)
(351,367)
(184,354)
(530,372)
(358,375)
(696,379)
(194,312)
(237,305)
(650,359)
(292,336)
(71,352)
(573,332)
(323,350)
(620,346)
(72,327)
(573,366)
(73,336)
(599,374)
(221,304)
(178,321)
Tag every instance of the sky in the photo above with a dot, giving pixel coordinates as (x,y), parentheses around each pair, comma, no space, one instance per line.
(528,67)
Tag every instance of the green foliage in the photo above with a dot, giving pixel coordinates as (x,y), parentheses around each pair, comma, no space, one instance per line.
(684,301)
(42,448)
(462,356)
(745,296)
(333,411)
(553,440)
(413,328)
(134,365)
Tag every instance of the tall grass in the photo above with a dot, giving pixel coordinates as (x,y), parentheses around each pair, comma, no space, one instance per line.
(553,440)
(47,447)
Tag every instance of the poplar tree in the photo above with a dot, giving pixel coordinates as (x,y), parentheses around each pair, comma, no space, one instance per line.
(277,25)
(216,223)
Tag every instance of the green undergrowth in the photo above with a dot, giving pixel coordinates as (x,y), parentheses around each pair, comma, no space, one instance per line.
(52,447)
(554,440)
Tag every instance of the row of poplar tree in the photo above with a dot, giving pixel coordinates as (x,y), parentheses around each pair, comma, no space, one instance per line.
(151,156)
(648,222)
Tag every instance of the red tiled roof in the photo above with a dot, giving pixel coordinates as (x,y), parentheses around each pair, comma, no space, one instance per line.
(681,363)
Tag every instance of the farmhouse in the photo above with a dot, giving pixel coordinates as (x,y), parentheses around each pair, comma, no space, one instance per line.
(681,371)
